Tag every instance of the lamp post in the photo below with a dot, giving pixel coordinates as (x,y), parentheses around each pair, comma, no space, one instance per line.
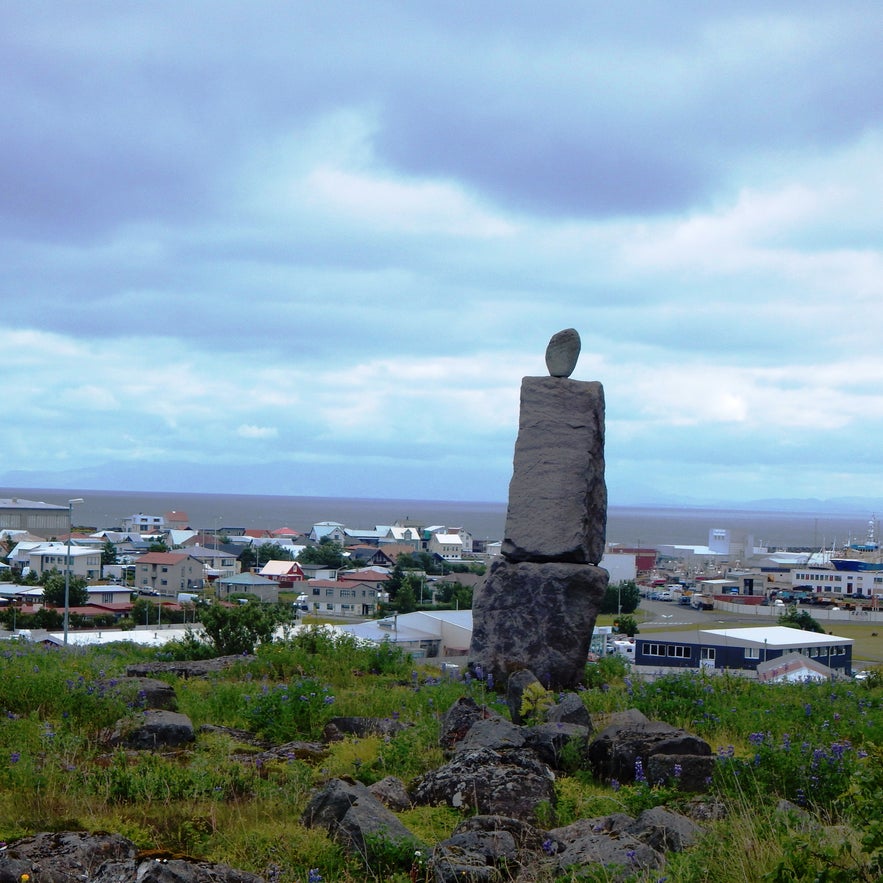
(67,569)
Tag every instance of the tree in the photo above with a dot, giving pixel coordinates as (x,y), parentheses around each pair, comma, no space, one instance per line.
(326,553)
(627,625)
(622,597)
(800,619)
(406,598)
(108,553)
(233,631)
(158,546)
(53,589)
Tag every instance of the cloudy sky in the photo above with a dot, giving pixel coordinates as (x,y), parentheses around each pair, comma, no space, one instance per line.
(312,248)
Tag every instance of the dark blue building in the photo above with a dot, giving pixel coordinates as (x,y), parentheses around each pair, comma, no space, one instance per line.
(740,648)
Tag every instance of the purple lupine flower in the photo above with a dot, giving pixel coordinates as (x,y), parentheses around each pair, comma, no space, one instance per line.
(678,770)
(639,770)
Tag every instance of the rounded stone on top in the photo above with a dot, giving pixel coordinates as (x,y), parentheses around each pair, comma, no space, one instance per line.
(562,352)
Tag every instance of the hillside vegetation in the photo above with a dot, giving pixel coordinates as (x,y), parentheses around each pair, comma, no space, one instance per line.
(815,746)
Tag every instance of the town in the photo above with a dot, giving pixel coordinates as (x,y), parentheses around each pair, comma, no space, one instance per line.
(145,580)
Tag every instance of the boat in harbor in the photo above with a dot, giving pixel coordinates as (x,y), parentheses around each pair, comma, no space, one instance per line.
(860,557)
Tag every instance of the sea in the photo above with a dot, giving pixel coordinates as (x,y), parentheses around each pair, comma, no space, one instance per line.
(627,525)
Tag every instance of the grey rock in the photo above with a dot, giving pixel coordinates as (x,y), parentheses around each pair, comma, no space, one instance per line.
(570,709)
(557,495)
(664,831)
(562,352)
(512,783)
(536,616)
(339,727)
(354,817)
(485,848)
(689,772)
(518,682)
(560,744)
(153,729)
(459,718)
(188,668)
(591,842)
(614,753)
(392,793)
(497,734)
(143,692)
(74,856)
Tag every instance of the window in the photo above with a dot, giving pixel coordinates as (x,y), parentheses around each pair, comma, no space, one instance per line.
(707,653)
(317,591)
(752,652)
(679,651)
(654,649)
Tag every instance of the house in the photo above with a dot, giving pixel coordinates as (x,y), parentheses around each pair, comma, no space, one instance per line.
(370,555)
(286,573)
(740,649)
(332,530)
(248,583)
(793,667)
(177,520)
(336,597)
(403,535)
(114,595)
(442,634)
(369,575)
(448,546)
(54,556)
(44,520)
(216,562)
(169,572)
(373,537)
(142,524)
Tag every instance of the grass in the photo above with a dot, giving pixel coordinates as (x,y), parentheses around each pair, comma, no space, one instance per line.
(813,745)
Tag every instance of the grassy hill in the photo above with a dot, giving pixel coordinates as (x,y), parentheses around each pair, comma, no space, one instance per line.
(812,745)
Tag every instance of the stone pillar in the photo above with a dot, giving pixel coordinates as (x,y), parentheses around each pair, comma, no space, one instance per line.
(537,607)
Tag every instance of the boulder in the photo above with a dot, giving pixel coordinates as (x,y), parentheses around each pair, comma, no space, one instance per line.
(557,496)
(538,617)
(354,817)
(339,727)
(392,793)
(563,352)
(188,668)
(560,744)
(622,751)
(485,848)
(596,842)
(689,772)
(570,709)
(153,729)
(663,830)
(495,733)
(71,857)
(459,718)
(143,692)
(513,783)
(518,682)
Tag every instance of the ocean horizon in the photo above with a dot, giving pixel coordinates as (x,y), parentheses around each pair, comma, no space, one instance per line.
(805,527)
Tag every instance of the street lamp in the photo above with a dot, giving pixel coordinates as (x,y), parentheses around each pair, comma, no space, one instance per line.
(67,569)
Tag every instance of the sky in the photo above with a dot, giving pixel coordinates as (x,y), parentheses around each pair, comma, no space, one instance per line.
(312,248)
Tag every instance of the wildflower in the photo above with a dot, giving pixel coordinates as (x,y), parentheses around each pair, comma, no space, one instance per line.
(639,770)
(678,770)
(15,757)
(549,846)
(315,876)
(756,738)
(614,784)
(632,856)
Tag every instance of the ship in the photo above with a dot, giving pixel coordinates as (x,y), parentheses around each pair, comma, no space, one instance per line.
(861,557)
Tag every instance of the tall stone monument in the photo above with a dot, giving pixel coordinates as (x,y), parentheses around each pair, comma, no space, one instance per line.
(537,608)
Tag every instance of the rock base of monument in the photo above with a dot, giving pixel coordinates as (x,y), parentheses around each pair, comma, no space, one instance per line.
(543,612)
